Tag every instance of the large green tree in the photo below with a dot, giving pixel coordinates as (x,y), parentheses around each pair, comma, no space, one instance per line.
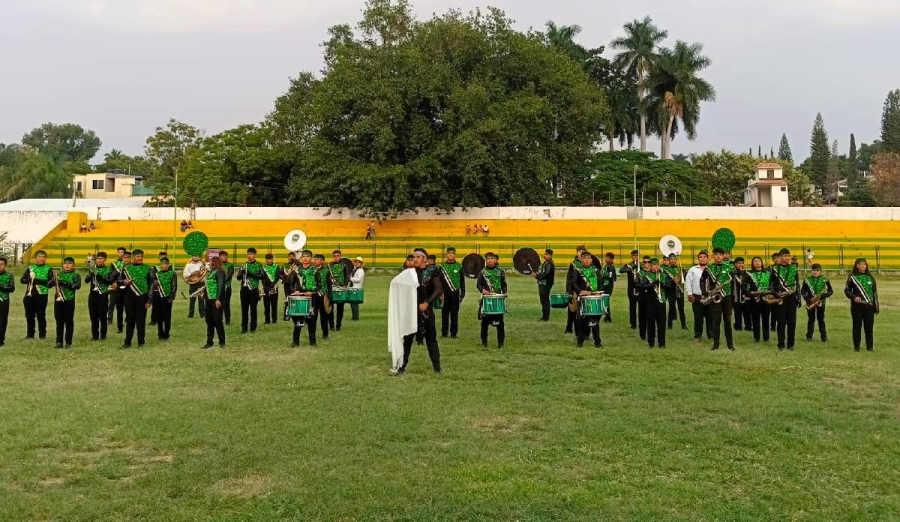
(675,81)
(451,111)
(852,171)
(890,122)
(33,175)
(638,57)
(819,155)
(833,174)
(784,149)
(165,151)
(613,178)
(62,143)
(725,175)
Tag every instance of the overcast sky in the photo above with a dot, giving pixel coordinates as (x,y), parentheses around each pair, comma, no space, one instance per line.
(124,67)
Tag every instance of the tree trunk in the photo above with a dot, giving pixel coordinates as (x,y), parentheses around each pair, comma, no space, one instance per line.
(667,139)
(612,147)
(641,97)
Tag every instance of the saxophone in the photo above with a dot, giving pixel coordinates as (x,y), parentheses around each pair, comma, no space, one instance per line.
(816,301)
(777,298)
(716,294)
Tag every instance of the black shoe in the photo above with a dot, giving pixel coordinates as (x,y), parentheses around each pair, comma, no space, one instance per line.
(714,348)
(443,336)
(29,337)
(398,372)
(598,344)
(732,348)
(683,327)
(253,330)
(662,346)
(190,316)
(633,327)
(824,338)
(58,345)
(580,344)
(294,345)
(568,330)
(780,348)
(109,322)
(125,346)
(500,346)
(484,344)
(453,336)
(152,323)
(95,338)
(809,338)
(119,330)
(870,349)
(790,348)
(140,345)
(42,337)
(221,345)
(338,329)
(227,323)
(207,346)
(607,320)
(325,336)
(651,345)
(243,331)
(856,348)
(267,322)
(312,344)
(643,337)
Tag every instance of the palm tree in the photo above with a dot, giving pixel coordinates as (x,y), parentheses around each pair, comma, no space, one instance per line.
(638,57)
(676,84)
(563,38)
(112,155)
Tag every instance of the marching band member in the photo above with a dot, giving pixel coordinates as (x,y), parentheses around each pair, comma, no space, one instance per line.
(305,280)
(454,285)
(136,280)
(340,274)
(675,293)
(284,271)
(492,280)
(102,281)
(357,277)
(7,286)
(633,270)
(609,281)
(815,290)
(67,282)
(270,290)
(785,283)
(586,282)
(154,311)
(773,323)
(324,291)
(574,266)
(192,268)
(228,270)
(757,286)
(428,291)
(117,293)
(654,285)
(162,295)
(717,280)
(694,291)
(544,277)
(214,288)
(862,291)
(740,308)
(35,280)
(643,293)
(250,275)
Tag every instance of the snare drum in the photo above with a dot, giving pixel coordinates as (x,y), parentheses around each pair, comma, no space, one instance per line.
(354,295)
(560,300)
(340,295)
(493,304)
(299,306)
(592,305)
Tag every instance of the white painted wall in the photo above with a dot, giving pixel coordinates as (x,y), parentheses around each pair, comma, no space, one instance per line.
(780,198)
(29,226)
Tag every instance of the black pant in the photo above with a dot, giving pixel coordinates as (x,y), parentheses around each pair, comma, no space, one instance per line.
(608,313)
(427,326)
(633,305)
(737,309)
(64,313)
(4,318)
(193,300)
(450,314)
(676,306)
(98,306)
(249,305)
(154,314)
(570,320)
(642,315)
(215,322)
(337,309)
(587,326)
(702,314)
(36,311)
(319,303)
(135,318)
(226,305)
(721,315)
(863,316)
(786,321)
(163,307)
(759,318)
(117,305)
(544,296)
(816,315)
(493,320)
(654,320)
(310,322)
(270,308)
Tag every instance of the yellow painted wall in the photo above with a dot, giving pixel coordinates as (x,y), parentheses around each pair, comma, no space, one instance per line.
(835,243)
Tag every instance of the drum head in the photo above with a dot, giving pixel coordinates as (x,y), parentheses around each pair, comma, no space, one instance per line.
(526,260)
(472,265)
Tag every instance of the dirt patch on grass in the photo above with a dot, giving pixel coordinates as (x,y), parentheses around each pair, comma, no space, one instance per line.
(244,487)
(507,424)
(49,482)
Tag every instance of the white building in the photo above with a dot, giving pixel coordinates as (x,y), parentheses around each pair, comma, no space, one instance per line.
(768,188)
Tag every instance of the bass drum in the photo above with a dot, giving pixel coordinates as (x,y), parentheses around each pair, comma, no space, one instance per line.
(526,261)
(472,265)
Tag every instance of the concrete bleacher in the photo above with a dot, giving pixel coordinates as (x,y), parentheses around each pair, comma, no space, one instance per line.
(835,242)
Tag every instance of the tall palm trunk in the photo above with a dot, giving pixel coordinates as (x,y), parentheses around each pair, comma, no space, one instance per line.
(641,97)
(612,147)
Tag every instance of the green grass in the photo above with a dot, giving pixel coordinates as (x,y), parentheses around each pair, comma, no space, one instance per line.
(538,431)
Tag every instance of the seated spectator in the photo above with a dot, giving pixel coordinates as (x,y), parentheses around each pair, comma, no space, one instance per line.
(484,230)
(83,227)
(92,227)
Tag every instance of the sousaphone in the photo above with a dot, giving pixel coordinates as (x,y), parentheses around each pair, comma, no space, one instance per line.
(526,261)
(195,244)
(295,240)
(670,244)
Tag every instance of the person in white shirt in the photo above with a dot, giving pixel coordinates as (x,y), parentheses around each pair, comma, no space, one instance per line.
(694,292)
(192,268)
(356,281)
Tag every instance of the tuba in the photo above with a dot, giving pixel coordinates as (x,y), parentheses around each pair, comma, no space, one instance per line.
(668,245)
(195,244)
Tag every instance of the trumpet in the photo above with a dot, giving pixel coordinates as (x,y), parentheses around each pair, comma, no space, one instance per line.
(59,294)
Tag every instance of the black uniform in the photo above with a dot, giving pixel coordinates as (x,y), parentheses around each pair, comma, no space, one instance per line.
(136,305)
(632,270)
(714,275)
(862,313)
(64,310)
(653,287)
(741,306)
(585,326)
(496,287)
(117,301)
(250,275)
(7,286)
(162,304)
(98,302)
(215,317)
(36,303)
(305,280)
(453,296)
(545,276)
(786,312)
(340,276)
(812,287)
(609,282)
(428,291)
(570,315)
(325,281)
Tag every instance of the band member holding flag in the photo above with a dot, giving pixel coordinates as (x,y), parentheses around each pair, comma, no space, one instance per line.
(862,291)
(400,316)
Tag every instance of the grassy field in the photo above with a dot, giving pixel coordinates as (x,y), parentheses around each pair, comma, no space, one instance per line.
(538,431)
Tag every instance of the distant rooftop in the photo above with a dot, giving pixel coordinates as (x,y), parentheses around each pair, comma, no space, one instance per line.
(62,205)
(768,165)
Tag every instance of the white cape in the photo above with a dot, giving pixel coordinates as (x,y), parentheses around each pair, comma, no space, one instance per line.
(402,313)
